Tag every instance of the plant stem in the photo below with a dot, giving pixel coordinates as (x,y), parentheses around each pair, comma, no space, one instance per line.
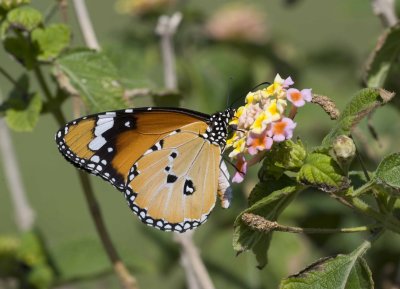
(128,280)
(123,274)
(363,189)
(8,76)
(386,220)
(263,225)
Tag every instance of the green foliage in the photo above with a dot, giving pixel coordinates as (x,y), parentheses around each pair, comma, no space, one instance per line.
(267,200)
(322,172)
(94,77)
(24,18)
(342,271)
(388,171)
(363,103)
(24,258)
(23,115)
(204,66)
(51,41)
(384,58)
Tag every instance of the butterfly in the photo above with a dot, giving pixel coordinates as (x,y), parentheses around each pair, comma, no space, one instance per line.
(166,161)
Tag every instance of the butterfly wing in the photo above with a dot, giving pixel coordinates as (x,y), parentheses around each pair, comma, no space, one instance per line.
(157,157)
(173,186)
(107,144)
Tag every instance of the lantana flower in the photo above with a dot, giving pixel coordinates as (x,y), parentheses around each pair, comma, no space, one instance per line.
(264,120)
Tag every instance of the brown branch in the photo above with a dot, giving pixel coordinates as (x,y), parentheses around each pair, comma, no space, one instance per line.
(327,105)
(261,224)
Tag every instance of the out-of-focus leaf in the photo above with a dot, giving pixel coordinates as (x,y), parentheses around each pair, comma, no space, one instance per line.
(270,199)
(10,4)
(94,77)
(388,171)
(51,40)
(23,115)
(364,102)
(322,172)
(21,49)
(25,18)
(383,57)
(343,271)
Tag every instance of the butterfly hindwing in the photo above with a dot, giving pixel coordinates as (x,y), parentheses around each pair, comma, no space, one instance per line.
(173,187)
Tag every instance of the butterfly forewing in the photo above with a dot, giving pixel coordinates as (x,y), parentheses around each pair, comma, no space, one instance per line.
(174,186)
(107,144)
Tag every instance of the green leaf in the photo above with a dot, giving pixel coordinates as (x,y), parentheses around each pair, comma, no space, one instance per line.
(284,156)
(51,40)
(269,200)
(21,49)
(383,57)
(322,172)
(92,75)
(25,18)
(364,102)
(23,115)
(388,171)
(10,4)
(343,271)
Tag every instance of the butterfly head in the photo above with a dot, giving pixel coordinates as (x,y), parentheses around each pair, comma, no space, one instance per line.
(217,130)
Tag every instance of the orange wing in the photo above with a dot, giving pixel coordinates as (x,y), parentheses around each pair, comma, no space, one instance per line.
(173,186)
(108,144)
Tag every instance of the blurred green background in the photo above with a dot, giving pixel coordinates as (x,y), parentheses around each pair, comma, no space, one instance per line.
(322,45)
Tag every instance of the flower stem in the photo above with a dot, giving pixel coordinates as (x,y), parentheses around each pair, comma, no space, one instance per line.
(263,225)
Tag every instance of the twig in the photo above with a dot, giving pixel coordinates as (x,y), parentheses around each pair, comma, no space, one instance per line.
(261,224)
(195,271)
(24,214)
(122,272)
(385,10)
(166,29)
(327,105)
(85,24)
(125,277)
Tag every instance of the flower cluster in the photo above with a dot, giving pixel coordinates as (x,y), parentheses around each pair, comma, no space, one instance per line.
(263,120)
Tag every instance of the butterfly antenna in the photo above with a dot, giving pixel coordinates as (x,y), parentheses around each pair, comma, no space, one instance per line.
(229,91)
(254,88)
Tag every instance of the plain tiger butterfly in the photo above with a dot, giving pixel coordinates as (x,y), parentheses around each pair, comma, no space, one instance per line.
(166,161)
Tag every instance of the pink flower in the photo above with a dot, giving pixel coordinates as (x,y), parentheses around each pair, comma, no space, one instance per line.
(282,129)
(258,142)
(241,166)
(287,82)
(299,98)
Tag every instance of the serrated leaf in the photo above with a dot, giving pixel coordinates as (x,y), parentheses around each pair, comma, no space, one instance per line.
(269,200)
(364,102)
(383,57)
(51,40)
(94,77)
(25,18)
(343,271)
(284,156)
(24,116)
(19,48)
(322,172)
(388,171)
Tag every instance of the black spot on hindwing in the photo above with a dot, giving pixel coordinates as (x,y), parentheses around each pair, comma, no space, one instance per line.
(188,187)
(171,179)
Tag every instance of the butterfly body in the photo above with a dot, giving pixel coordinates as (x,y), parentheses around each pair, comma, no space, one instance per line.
(165,160)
